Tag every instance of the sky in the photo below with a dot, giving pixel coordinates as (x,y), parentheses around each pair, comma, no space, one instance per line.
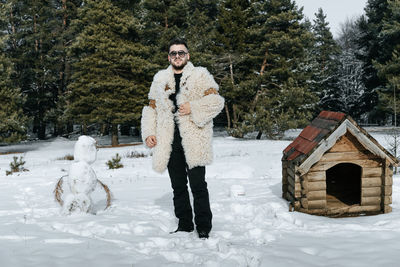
(336,11)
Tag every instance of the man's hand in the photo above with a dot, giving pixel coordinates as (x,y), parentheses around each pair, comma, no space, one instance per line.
(184,109)
(151,141)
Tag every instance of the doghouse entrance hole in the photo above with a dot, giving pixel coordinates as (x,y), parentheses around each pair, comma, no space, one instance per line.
(343,185)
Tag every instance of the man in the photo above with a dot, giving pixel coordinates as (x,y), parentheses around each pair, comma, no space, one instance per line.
(178,125)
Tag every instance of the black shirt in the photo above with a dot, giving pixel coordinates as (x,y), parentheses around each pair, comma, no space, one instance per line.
(177,88)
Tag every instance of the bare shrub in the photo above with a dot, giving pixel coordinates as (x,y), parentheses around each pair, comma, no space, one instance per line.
(135,154)
(67,157)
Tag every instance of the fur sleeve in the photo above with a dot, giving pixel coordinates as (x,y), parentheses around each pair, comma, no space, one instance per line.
(148,122)
(149,114)
(206,108)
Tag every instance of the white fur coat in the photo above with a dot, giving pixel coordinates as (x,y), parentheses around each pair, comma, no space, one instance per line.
(197,86)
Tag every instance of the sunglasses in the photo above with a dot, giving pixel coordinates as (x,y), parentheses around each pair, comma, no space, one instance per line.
(179,53)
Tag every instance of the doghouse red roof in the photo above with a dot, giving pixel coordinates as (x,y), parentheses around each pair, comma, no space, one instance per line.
(309,138)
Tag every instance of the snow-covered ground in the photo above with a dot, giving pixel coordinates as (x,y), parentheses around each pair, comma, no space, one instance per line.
(251,230)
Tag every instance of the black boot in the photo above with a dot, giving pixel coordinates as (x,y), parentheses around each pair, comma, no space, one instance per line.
(203,234)
(182,229)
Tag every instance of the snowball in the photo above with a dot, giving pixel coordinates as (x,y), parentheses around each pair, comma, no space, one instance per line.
(85,149)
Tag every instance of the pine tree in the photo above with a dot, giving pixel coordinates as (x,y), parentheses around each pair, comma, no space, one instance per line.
(283,99)
(162,21)
(111,73)
(230,63)
(12,120)
(201,31)
(31,38)
(372,48)
(389,71)
(350,85)
(65,12)
(325,58)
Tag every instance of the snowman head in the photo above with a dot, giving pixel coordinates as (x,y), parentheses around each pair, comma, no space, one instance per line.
(85,149)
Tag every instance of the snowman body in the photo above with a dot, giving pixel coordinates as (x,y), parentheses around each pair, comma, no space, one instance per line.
(82,179)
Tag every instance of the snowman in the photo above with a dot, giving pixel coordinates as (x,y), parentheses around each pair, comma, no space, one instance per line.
(81,178)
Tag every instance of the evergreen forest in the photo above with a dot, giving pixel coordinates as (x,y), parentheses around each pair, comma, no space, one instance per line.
(73,66)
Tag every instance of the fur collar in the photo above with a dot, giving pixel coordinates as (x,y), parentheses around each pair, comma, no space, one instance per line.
(187,71)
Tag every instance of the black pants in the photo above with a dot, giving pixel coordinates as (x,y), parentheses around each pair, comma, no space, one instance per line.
(179,173)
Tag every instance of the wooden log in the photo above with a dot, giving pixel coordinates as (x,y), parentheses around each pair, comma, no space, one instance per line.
(316,186)
(292,174)
(387,180)
(371,182)
(371,192)
(387,200)
(291,181)
(371,172)
(389,171)
(284,174)
(342,211)
(291,189)
(316,204)
(346,156)
(295,192)
(387,209)
(356,209)
(284,181)
(290,197)
(304,202)
(304,184)
(304,187)
(323,166)
(316,195)
(297,187)
(370,201)
(316,176)
(387,190)
(284,164)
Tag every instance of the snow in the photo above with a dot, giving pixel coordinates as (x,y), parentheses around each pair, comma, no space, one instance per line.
(250,229)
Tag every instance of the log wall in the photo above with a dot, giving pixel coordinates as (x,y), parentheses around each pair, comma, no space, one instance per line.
(308,192)
(376,178)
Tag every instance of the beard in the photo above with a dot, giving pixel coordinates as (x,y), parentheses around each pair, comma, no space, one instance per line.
(178,66)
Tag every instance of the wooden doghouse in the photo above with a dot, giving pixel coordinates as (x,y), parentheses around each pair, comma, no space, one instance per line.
(335,168)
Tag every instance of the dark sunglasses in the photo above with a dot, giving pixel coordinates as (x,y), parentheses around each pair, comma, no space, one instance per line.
(180,53)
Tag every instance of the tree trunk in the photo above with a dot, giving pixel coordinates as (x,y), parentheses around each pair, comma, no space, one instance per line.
(105,129)
(42,130)
(13,30)
(64,7)
(70,127)
(35,31)
(231,70)
(263,66)
(125,129)
(228,117)
(114,134)
(84,128)
(259,135)
(234,114)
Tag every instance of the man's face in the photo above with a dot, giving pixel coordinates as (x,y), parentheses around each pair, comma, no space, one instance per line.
(180,56)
